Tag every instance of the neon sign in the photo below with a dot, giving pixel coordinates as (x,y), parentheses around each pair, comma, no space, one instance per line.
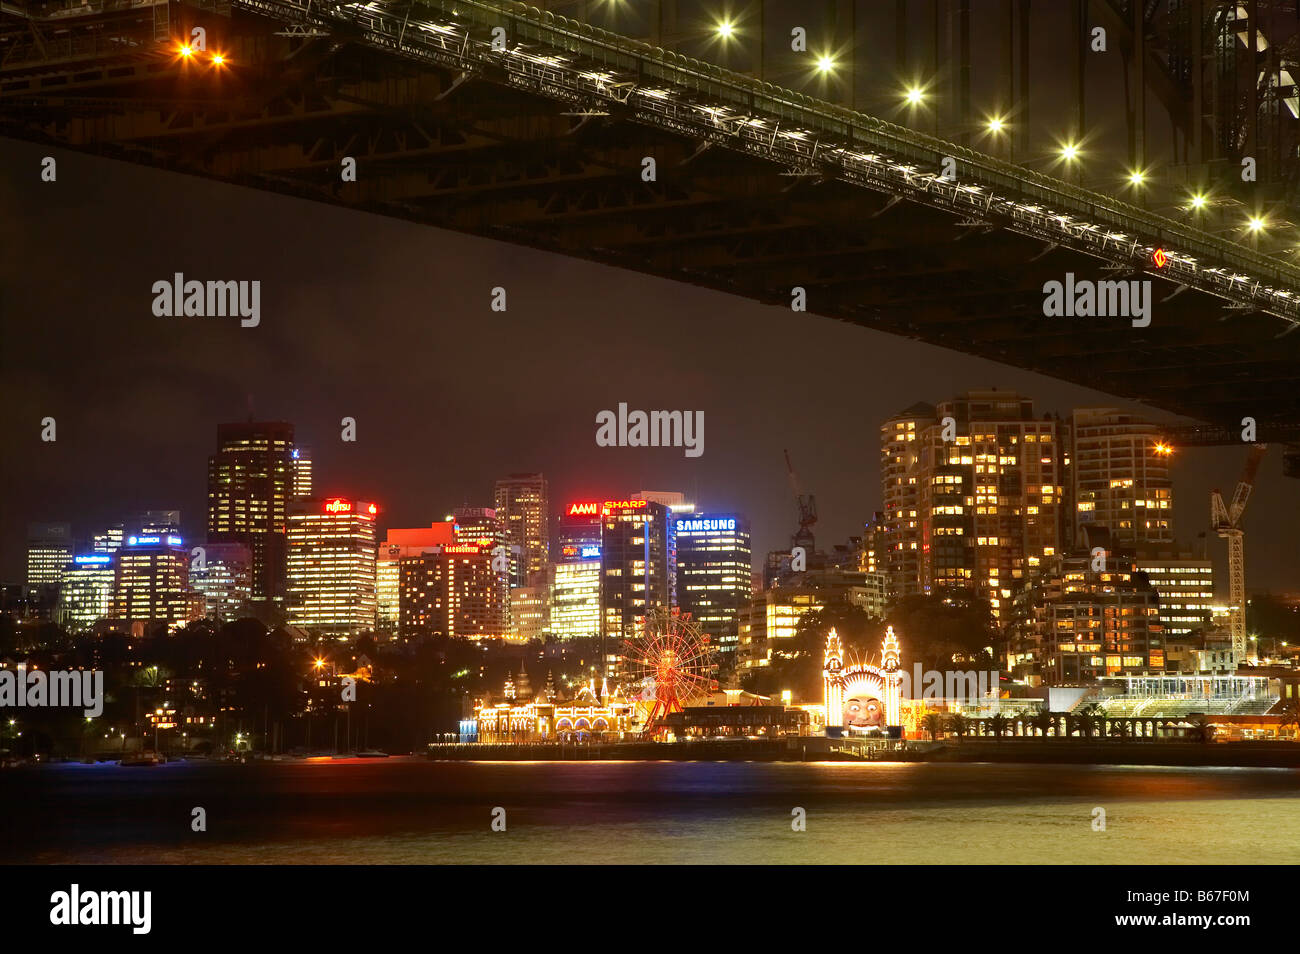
(589,552)
(93,559)
(624,505)
(462,548)
(338,505)
(1160,258)
(584,509)
(706,525)
(143,541)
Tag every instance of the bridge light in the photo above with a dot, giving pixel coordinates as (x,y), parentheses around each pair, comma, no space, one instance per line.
(1198,201)
(915,95)
(1160,258)
(218,59)
(1137,177)
(995,125)
(1069,152)
(186,50)
(725,29)
(825,64)
(1256,224)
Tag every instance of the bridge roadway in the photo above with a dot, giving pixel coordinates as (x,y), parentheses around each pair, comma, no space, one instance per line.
(759,189)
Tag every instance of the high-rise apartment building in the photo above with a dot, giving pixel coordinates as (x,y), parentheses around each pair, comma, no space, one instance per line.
(452,590)
(49,551)
(1121,477)
(331,565)
(974,496)
(714,573)
(251,479)
(523,513)
(397,545)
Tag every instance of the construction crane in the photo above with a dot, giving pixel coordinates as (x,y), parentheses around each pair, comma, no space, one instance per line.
(1226,522)
(807,505)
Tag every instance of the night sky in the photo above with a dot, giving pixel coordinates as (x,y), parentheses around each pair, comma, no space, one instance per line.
(389,322)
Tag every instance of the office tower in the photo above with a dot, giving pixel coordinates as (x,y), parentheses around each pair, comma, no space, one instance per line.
(768,624)
(1184,584)
(636,570)
(523,513)
(482,526)
(675,502)
(529,613)
(251,479)
(49,551)
(301,472)
(714,571)
(222,573)
(1121,477)
(331,565)
(155,523)
(86,595)
(109,539)
(974,502)
(451,590)
(400,543)
(151,587)
(1071,624)
(900,460)
(575,584)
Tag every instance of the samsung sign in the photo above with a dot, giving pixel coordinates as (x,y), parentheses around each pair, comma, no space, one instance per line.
(706,524)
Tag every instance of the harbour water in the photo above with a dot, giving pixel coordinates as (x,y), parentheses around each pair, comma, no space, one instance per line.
(414,811)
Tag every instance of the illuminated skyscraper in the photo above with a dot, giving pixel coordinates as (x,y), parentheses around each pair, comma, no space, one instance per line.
(302,472)
(575,586)
(86,595)
(49,551)
(1121,477)
(522,510)
(975,500)
(223,575)
(251,479)
(401,543)
(331,565)
(714,572)
(109,539)
(151,587)
(452,591)
(637,569)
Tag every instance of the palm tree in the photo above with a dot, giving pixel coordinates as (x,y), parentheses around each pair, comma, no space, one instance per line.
(959,725)
(1026,720)
(932,722)
(1201,726)
(999,724)
(1290,713)
(1093,718)
(1043,721)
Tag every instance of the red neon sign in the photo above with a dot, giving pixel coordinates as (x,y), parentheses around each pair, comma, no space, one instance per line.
(584,509)
(338,505)
(1161,258)
(461,548)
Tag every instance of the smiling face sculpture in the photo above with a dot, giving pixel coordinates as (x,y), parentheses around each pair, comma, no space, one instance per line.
(864,712)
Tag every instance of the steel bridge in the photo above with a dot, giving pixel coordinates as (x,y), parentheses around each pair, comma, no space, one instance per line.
(505,121)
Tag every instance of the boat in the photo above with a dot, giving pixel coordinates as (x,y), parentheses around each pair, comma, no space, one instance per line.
(142,758)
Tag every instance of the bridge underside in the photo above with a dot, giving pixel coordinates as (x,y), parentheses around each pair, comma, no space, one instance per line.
(477,156)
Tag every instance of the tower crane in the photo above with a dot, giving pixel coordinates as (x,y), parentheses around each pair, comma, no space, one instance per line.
(1225,520)
(807,505)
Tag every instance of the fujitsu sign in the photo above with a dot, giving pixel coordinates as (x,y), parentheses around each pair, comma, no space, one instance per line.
(338,505)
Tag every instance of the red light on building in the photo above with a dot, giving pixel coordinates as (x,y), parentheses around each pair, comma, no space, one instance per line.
(372,510)
(584,509)
(1161,258)
(462,548)
(338,505)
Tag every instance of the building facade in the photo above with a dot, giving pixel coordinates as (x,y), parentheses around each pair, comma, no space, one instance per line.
(714,573)
(331,565)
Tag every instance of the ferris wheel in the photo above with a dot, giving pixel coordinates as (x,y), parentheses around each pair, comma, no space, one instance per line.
(671,661)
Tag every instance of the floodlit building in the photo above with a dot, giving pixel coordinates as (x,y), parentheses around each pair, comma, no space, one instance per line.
(331,565)
(768,624)
(151,586)
(452,590)
(1121,477)
(637,568)
(251,479)
(49,551)
(1185,584)
(397,545)
(523,514)
(714,573)
(223,575)
(86,595)
(575,574)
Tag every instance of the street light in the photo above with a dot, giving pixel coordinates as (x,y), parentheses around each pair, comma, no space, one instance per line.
(725,30)
(825,64)
(915,96)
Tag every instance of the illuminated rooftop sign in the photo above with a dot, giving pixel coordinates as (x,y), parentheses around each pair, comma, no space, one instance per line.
(94,559)
(462,548)
(590,552)
(611,505)
(338,505)
(172,541)
(706,525)
(588,508)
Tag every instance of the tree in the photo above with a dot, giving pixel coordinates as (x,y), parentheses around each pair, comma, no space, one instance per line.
(1202,727)
(958,725)
(1094,719)
(999,724)
(933,724)
(1044,721)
